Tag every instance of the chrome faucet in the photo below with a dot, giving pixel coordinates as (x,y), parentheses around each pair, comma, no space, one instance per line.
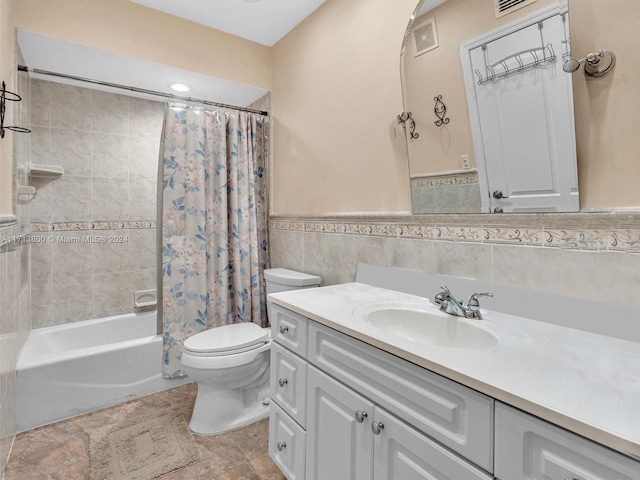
(449,304)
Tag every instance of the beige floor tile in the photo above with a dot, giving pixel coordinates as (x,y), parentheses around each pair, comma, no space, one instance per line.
(60,451)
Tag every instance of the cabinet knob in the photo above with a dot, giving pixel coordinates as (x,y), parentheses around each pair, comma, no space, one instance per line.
(376,427)
(283,382)
(360,416)
(283,329)
(281,446)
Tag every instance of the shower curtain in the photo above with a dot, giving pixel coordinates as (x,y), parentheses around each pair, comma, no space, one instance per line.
(214,225)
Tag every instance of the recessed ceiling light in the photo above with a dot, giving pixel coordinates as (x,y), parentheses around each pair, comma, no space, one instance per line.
(179,87)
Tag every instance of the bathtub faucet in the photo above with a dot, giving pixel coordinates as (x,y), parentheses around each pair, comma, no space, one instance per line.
(449,304)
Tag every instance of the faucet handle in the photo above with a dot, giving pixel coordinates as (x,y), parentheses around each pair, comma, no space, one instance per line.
(474,303)
(441,297)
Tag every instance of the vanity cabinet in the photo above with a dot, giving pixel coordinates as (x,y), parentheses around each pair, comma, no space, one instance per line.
(532,449)
(351,438)
(360,413)
(343,409)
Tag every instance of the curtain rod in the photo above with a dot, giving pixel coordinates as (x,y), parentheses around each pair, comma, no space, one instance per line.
(22,68)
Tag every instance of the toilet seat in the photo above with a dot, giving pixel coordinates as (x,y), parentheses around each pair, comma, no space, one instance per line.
(227,340)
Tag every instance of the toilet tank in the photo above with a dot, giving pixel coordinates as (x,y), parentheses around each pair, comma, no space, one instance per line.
(283,280)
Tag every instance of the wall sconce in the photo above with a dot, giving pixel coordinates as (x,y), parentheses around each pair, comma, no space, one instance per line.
(596,64)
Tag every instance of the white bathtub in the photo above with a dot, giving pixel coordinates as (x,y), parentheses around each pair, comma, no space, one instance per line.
(67,370)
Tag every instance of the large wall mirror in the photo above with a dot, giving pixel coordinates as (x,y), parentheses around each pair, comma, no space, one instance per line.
(491,125)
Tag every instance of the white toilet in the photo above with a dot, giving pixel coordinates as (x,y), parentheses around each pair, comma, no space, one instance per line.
(231,365)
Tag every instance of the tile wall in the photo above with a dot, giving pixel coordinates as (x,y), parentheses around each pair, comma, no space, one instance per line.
(95,225)
(15,278)
(589,256)
(446,193)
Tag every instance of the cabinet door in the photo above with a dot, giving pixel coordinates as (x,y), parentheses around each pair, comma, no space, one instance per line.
(339,439)
(529,448)
(289,382)
(403,453)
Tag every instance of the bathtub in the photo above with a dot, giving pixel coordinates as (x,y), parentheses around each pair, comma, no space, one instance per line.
(70,369)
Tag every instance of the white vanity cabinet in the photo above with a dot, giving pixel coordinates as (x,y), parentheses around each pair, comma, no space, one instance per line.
(529,448)
(351,438)
(343,409)
(365,414)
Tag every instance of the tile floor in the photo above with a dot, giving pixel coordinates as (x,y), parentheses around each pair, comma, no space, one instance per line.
(60,451)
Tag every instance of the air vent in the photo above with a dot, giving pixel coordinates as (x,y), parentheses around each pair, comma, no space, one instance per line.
(425,36)
(504,7)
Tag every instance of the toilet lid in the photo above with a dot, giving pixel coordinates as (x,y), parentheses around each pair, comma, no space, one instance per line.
(228,338)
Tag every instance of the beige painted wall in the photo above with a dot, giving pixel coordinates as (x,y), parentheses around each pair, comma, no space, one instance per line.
(128,28)
(334,101)
(9,76)
(439,72)
(607,110)
(336,95)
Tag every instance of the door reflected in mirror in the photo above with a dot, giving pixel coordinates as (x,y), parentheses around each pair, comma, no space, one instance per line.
(509,143)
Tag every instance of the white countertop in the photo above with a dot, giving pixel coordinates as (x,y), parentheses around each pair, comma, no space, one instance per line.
(584,382)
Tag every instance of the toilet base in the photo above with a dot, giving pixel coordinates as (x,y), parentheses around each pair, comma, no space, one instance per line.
(218,411)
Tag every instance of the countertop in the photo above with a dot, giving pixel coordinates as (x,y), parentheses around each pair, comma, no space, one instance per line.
(581,381)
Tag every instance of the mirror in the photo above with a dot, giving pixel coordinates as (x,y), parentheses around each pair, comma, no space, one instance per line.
(492,106)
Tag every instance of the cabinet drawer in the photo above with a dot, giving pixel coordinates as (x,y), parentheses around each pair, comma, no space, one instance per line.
(529,448)
(289,329)
(286,443)
(403,452)
(289,382)
(454,415)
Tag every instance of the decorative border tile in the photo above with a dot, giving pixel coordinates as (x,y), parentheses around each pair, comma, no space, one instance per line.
(85,226)
(458,234)
(615,231)
(626,240)
(513,236)
(581,239)
(443,180)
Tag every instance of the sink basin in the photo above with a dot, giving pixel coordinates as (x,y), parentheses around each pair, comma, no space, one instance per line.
(426,324)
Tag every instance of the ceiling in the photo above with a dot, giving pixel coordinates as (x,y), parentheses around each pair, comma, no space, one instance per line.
(261,21)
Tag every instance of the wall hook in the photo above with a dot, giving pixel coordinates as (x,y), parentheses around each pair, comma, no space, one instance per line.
(405,117)
(5,97)
(440,109)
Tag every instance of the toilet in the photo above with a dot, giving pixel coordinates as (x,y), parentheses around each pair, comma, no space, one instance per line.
(231,363)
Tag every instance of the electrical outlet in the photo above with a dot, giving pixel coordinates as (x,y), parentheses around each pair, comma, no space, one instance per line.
(466,163)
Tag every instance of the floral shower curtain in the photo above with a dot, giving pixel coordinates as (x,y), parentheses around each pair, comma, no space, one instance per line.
(214,230)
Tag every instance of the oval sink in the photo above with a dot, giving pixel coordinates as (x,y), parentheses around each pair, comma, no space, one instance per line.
(425,323)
